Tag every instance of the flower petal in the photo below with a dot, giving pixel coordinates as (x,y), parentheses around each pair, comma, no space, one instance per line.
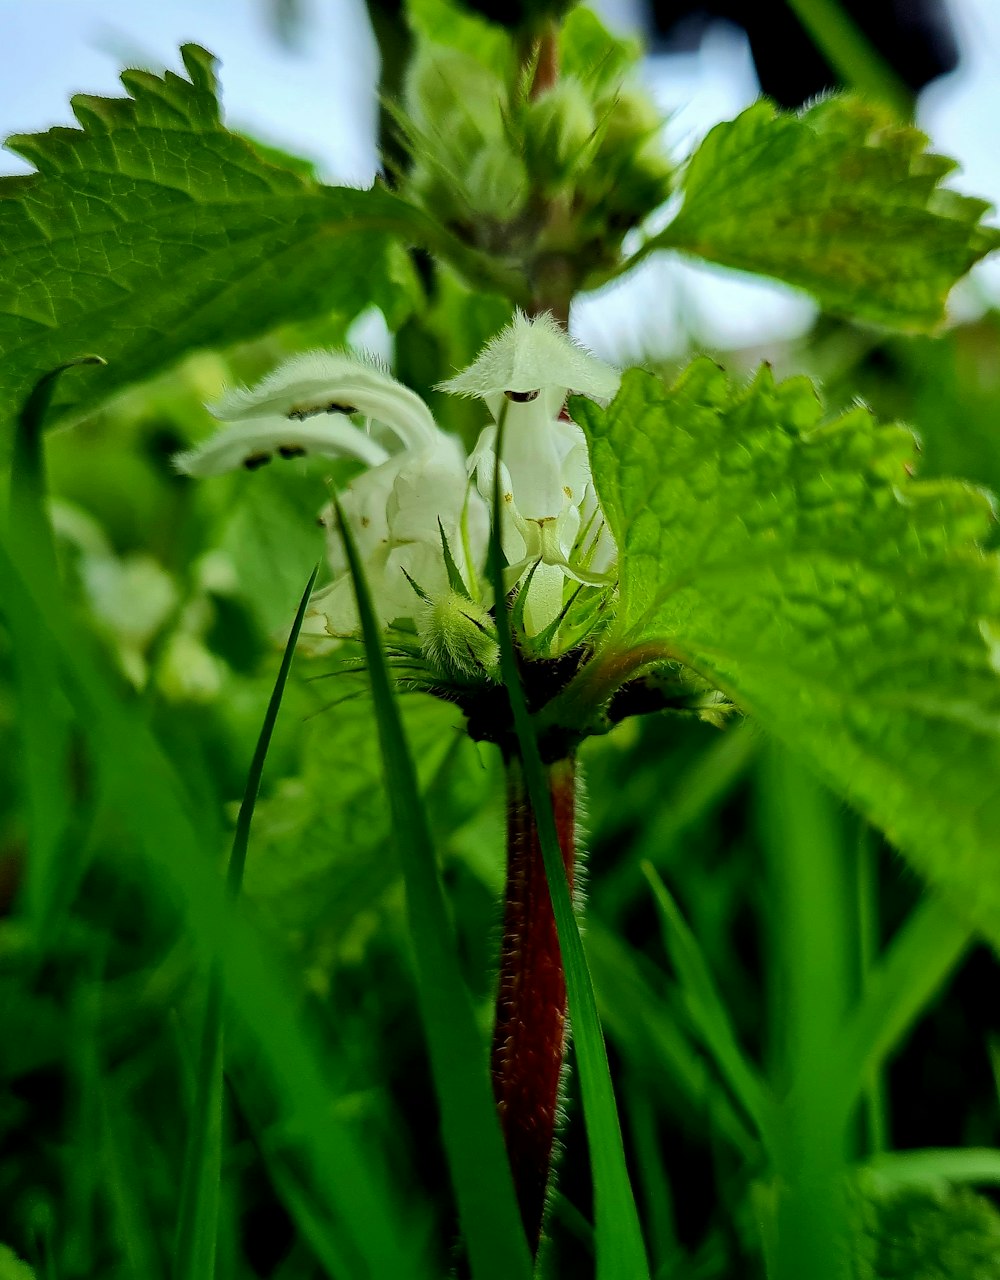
(332,382)
(534,355)
(255,442)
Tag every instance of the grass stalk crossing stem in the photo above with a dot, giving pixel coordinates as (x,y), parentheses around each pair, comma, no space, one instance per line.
(529,1039)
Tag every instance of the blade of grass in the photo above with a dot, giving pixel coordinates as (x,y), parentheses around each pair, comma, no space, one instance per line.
(657,1195)
(655,1045)
(49,879)
(810,932)
(30,528)
(876,1113)
(919,959)
(198,1212)
(698,791)
(140,785)
(125,1188)
(977,1165)
(621,1254)
(480,1173)
(709,1014)
(851,55)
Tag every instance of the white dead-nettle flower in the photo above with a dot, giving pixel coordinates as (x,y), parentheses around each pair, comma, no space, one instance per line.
(552,524)
(306,406)
(398,512)
(416,489)
(415,506)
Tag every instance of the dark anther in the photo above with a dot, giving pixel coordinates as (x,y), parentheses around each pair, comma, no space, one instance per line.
(256,460)
(291,451)
(521,397)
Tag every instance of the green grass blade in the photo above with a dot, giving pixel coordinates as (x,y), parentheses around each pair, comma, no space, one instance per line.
(655,1046)
(241,837)
(198,1203)
(976,1165)
(49,878)
(140,785)
(621,1254)
(852,55)
(125,1188)
(920,957)
(30,529)
(698,791)
(709,1014)
(198,1214)
(810,930)
(657,1195)
(875,1101)
(480,1173)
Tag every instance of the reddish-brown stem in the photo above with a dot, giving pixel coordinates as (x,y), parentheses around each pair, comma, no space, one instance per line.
(546,61)
(529,1038)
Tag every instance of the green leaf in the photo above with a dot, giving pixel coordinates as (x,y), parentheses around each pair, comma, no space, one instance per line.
(796,565)
(481,1175)
(651,1036)
(839,200)
(925,1233)
(154,230)
(11,1267)
(932,1166)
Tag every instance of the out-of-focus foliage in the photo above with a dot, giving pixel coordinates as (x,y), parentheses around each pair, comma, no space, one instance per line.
(839,200)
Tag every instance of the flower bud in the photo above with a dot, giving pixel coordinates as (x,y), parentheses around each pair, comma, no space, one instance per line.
(558,129)
(459,638)
(496,183)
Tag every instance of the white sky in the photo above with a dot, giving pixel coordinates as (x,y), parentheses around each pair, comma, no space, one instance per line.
(319,102)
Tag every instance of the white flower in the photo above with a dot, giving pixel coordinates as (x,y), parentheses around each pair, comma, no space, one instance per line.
(551,524)
(394,511)
(415,507)
(416,489)
(305,407)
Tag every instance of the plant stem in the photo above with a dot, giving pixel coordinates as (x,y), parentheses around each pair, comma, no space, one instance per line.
(529,1038)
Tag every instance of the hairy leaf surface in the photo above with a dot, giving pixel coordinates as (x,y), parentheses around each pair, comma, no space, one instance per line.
(153,230)
(837,199)
(850,609)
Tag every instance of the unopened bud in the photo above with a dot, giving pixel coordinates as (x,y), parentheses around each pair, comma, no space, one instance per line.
(459,638)
(558,127)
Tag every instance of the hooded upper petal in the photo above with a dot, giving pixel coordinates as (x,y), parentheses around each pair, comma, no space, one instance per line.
(255,442)
(534,355)
(332,382)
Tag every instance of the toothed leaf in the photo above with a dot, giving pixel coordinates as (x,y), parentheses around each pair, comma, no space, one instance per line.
(794,563)
(837,199)
(153,230)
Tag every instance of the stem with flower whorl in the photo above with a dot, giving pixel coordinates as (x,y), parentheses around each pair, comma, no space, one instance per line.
(529,1038)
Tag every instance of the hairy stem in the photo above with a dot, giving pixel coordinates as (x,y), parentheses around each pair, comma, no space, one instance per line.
(529,1038)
